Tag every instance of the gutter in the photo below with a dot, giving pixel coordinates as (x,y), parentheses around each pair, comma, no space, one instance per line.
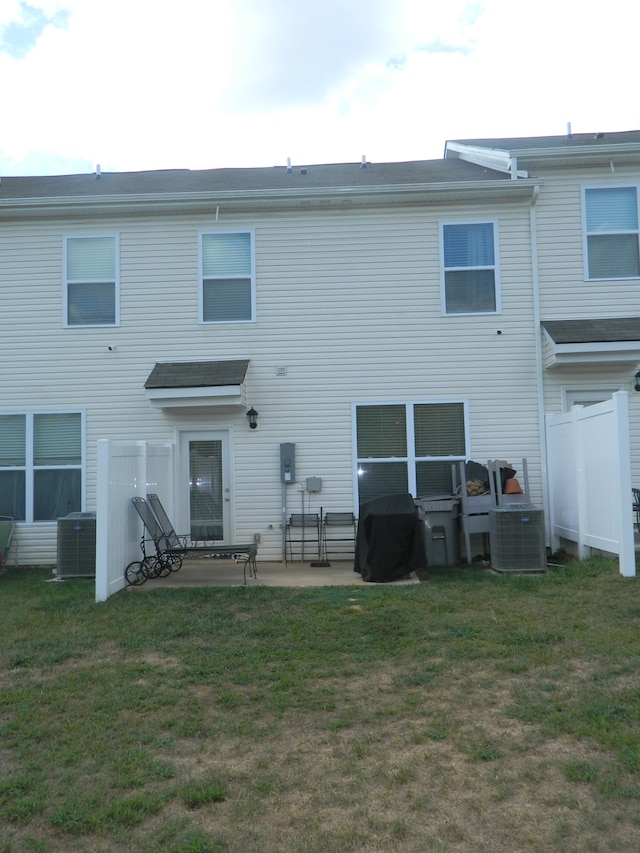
(501,159)
(270,198)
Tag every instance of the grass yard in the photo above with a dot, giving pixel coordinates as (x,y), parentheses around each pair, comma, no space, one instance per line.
(472,712)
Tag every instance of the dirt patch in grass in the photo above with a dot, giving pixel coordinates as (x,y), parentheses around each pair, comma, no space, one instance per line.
(443,775)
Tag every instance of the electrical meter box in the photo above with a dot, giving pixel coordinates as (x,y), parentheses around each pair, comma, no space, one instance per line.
(287,463)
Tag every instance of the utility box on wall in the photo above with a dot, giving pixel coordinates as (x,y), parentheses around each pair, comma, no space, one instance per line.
(314,485)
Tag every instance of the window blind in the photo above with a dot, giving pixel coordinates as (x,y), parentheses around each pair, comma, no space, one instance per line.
(439,429)
(381,431)
(13,441)
(226,255)
(91,259)
(611,209)
(57,439)
(468,245)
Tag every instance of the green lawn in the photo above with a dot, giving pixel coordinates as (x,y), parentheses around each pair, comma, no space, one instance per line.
(472,712)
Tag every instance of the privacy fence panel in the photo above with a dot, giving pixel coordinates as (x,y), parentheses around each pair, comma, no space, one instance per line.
(125,470)
(589,476)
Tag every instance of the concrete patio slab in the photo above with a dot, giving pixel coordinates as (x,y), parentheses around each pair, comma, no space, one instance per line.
(206,573)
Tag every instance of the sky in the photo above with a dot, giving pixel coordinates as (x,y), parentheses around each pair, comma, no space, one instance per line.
(200,84)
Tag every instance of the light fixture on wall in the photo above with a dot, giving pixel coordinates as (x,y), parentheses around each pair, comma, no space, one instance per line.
(637,382)
(252,415)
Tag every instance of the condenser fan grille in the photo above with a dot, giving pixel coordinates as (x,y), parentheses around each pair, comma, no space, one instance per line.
(77,545)
(516,535)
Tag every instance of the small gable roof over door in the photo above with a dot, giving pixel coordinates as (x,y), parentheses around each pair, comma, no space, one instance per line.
(174,384)
(598,340)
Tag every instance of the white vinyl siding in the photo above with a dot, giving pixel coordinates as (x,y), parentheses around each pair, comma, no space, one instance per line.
(40,465)
(227,278)
(333,297)
(611,232)
(408,447)
(469,268)
(91,286)
(566,291)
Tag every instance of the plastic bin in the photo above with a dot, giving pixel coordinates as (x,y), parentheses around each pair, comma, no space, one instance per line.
(440,517)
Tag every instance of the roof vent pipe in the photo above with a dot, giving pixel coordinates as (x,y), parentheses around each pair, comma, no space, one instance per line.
(569,134)
(288,164)
(363,165)
(98,172)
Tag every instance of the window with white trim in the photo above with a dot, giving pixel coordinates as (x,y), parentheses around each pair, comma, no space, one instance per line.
(91,280)
(470,282)
(227,277)
(41,465)
(408,447)
(611,228)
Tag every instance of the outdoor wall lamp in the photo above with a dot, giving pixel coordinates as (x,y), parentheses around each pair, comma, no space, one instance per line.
(252,415)
(637,382)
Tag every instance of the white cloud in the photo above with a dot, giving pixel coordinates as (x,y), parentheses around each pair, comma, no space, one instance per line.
(251,82)
(300,52)
(20,34)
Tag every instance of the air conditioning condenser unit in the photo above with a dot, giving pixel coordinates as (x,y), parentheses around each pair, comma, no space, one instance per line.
(516,536)
(77,545)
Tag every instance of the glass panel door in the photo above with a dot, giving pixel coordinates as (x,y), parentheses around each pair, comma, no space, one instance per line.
(206,490)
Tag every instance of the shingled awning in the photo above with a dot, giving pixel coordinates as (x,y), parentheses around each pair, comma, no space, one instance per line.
(197,383)
(591,341)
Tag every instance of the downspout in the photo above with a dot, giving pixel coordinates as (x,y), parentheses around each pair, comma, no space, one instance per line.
(542,431)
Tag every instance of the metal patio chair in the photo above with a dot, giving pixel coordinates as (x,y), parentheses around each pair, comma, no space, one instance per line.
(636,506)
(172,548)
(6,534)
(169,550)
(339,533)
(303,532)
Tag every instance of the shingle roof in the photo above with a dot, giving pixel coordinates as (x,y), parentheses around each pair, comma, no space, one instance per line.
(197,374)
(603,330)
(594,140)
(341,175)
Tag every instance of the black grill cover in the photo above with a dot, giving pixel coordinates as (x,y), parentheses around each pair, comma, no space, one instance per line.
(390,539)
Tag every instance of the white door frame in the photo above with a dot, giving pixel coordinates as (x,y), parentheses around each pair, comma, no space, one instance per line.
(184,435)
(585,393)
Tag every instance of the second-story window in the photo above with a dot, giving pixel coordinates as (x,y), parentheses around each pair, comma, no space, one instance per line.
(469,274)
(91,280)
(611,225)
(227,277)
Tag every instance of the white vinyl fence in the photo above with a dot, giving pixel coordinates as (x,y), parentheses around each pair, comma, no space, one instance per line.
(124,471)
(589,476)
